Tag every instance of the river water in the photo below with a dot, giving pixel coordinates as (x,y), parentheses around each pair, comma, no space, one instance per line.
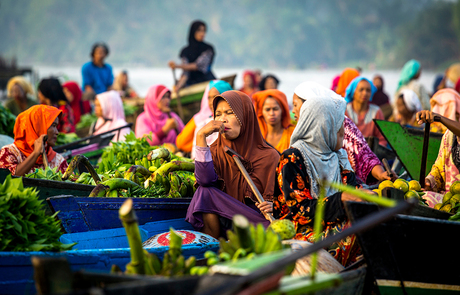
(141,79)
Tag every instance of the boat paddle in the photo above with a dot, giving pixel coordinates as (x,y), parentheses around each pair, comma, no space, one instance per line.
(179,104)
(426,141)
(237,158)
(45,157)
(387,166)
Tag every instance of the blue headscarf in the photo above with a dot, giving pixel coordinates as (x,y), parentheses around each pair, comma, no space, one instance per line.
(352,88)
(409,70)
(220,85)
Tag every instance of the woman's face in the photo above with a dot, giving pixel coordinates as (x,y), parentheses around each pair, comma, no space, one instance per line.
(272,112)
(225,114)
(53,133)
(98,108)
(340,136)
(377,82)
(99,54)
(401,108)
(42,99)
(270,83)
(124,80)
(17,92)
(163,104)
(200,33)
(247,81)
(68,94)
(211,94)
(297,103)
(362,92)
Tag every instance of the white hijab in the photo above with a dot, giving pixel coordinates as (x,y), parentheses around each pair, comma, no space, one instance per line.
(411,100)
(315,135)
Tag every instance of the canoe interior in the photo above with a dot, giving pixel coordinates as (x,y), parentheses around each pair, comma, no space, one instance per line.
(16,271)
(50,188)
(82,214)
(409,249)
(407,143)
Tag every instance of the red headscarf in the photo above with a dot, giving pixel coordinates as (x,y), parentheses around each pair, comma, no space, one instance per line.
(259,159)
(30,125)
(259,99)
(345,79)
(79,107)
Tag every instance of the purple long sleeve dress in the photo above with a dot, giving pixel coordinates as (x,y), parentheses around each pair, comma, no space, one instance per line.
(208,198)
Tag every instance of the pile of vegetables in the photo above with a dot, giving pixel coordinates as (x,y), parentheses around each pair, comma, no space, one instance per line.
(7,120)
(129,109)
(65,138)
(85,121)
(47,173)
(24,226)
(451,202)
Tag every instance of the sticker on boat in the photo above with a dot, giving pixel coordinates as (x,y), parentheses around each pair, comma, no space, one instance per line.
(188,237)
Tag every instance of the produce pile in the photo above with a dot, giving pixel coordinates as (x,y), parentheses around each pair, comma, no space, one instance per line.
(66,138)
(7,120)
(451,201)
(47,173)
(24,226)
(411,189)
(86,120)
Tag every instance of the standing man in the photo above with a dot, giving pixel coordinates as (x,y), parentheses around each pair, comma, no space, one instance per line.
(97,75)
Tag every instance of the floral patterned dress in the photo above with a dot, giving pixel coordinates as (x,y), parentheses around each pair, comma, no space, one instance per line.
(294,202)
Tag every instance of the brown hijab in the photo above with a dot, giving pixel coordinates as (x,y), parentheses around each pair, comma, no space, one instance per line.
(259,158)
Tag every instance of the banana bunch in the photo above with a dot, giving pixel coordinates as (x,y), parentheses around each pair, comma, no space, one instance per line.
(245,242)
(86,178)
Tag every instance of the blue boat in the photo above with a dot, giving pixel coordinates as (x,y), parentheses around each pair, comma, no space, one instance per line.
(82,214)
(95,251)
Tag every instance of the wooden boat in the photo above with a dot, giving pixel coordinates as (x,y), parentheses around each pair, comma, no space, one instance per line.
(82,214)
(407,143)
(96,251)
(409,254)
(190,98)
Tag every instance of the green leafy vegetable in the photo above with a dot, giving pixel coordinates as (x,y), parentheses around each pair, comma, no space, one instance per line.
(86,120)
(7,120)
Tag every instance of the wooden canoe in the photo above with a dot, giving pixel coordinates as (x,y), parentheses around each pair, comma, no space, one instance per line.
(409,254)
(190,98)
(82,214)
(100,250)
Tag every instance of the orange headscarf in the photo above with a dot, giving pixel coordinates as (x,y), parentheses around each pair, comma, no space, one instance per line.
(30,125)
(259,100)
(345,78)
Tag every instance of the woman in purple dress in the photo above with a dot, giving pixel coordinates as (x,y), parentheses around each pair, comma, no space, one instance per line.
(223,191)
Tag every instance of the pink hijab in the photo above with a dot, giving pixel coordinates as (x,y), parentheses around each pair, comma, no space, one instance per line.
(152,119)
(446,102)
(113,115)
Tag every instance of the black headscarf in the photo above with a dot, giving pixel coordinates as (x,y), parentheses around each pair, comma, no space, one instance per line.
(264,79)
(380,97)
(51,88)
(195,48)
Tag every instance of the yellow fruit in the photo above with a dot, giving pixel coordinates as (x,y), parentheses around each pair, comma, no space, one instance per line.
(378,191)
(446,197)
(415,185)
(446,208)
(402,185)
(454,199)
(385,183)
(411,194)
(438,206)
(455,188)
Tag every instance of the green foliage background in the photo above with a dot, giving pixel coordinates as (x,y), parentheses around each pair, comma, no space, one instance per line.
(269,33)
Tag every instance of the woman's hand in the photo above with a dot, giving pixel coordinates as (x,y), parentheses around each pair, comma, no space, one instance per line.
(206,130)
(170,124)
(428,185)
(425,117)
(39,145)
(265,207)
(172,64)
(381,174)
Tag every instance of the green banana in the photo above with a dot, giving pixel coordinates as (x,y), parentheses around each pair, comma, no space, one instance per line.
(112,194)
(233,240)
(99,191)
(74,164)
(260,238)
(238,254)
(189,264)
(159,153)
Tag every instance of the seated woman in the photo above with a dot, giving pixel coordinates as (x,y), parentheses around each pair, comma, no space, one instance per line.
(361,111)
(122,86)
(26,153)
(157,120)
(223,191)
(50,93)
(345,79)
(197,58)
(249,83)
(19,93)
(185,141)
(408,79)
(446,168)
(73,93)
(445,102)
(407,105)
(316,152)
(381,98)
(110,114)
(363,161)
(272,111)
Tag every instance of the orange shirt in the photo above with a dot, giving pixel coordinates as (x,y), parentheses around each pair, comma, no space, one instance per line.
(184,141)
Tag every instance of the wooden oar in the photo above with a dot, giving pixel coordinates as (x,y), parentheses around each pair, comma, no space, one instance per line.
(45,157)
(426,141)
(179,104)
(387,166)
